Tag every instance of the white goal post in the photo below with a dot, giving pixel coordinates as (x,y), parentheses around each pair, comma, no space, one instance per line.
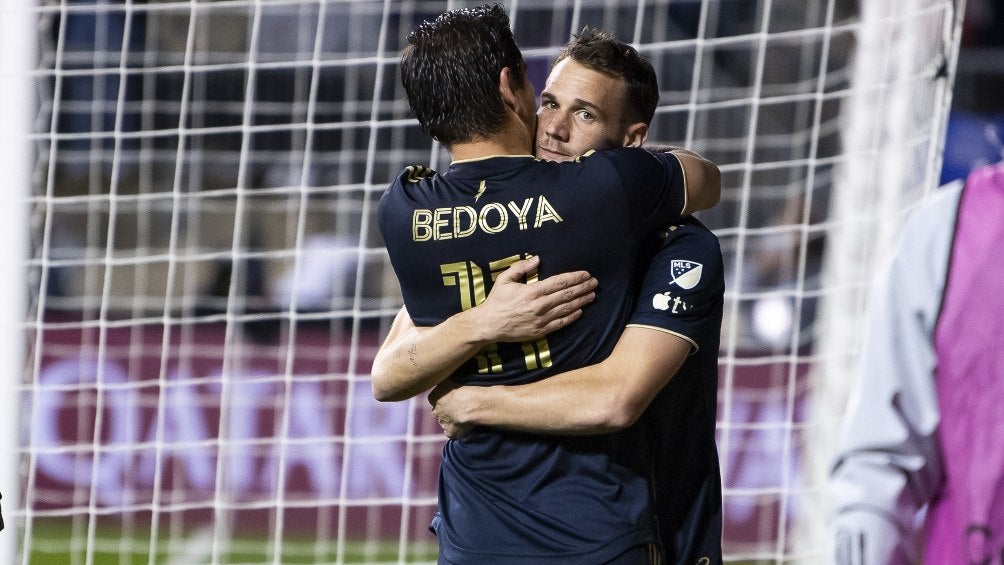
(192,196)
(16,41)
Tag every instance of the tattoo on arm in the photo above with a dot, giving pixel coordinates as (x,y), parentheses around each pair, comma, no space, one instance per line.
(412,354)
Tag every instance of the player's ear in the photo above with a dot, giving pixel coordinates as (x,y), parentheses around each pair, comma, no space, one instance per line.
(635,134)
(507,88)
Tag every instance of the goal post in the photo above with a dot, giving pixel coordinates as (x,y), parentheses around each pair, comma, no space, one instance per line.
(16,96)
(196,187)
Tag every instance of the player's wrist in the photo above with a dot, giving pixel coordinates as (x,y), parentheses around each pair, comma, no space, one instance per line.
(472,329)
(470,402)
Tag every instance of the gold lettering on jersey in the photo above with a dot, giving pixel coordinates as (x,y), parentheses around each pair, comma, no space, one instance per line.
(470,280)
(545,213)
(485,218)
(488,359)
(421,225)
(465,221)
(492,218)
(520,213)
(536,354)
(498,266)
(441,225)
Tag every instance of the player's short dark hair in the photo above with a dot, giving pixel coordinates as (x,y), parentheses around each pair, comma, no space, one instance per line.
(598,50)
(450,70)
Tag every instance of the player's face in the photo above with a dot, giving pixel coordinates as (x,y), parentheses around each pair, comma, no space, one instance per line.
(580,109)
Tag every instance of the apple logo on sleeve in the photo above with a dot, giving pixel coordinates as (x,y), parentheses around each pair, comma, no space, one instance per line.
(686,274)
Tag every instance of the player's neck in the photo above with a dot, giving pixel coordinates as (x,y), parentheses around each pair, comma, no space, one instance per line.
(514,139)
(482,149)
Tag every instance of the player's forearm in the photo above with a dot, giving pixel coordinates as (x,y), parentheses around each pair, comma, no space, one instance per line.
(583,402)
(605,397)
(420,358)
(413,360)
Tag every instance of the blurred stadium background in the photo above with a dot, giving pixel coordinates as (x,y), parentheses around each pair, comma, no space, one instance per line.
(192,188)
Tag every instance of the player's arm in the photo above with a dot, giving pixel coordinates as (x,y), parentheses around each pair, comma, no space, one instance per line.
(702,179)
(414,359)
(604,397)
(613,393)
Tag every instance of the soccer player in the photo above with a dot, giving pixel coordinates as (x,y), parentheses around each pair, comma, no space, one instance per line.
(512,496)
(924,430)
(679,314)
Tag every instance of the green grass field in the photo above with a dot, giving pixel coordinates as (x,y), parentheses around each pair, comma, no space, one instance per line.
(58,542)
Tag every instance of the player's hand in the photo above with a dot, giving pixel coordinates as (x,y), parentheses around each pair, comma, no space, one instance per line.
(517,311)
(446,406)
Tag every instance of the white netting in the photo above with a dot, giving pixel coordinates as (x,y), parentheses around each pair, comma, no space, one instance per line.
(207,286)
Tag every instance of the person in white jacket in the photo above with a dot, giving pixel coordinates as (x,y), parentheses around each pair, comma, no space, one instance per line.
(919,472)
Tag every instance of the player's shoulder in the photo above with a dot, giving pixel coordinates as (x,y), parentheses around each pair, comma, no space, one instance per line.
(410,182)
(623,154)
(691,229)
(414,174)
(691,240)
(640,169)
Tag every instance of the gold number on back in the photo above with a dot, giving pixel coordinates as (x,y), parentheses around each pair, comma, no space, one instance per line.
(469,279)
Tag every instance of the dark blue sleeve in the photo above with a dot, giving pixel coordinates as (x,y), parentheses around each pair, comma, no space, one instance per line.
(684,286)
(654,183)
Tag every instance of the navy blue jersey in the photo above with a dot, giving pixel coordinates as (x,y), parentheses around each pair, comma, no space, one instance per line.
(683,293)
(507,497)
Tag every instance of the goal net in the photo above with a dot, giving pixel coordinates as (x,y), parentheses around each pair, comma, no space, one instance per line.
(191,199)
